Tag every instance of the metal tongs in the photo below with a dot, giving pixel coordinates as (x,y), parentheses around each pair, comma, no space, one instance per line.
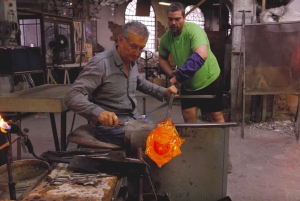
(169,110)
(123,123)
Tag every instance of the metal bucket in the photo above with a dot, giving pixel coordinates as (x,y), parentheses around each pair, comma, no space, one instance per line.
(25,173)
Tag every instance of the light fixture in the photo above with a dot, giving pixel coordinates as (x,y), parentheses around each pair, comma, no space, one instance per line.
(112,3)
(164,3)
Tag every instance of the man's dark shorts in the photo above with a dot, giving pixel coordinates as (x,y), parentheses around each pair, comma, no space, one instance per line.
(206,105)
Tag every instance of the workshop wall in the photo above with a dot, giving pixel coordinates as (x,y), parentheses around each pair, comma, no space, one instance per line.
(108,26)
(55,7)
(106,33)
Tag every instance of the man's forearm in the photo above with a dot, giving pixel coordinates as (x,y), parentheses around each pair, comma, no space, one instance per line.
(165,66)
(190,67)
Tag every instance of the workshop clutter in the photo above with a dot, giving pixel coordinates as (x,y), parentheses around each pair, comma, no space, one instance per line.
(152,60)
(18,176)
(25,173)
(160,81)
(64,184)
(163,143)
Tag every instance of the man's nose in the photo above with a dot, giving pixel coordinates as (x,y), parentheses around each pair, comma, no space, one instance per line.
(137,53)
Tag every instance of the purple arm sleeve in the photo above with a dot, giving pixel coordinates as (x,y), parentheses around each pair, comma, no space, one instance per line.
(190,67)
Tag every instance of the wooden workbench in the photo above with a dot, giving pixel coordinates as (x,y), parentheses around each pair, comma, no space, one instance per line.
(45,98)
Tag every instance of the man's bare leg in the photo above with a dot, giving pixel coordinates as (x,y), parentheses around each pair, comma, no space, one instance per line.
(190,115)
(216,117)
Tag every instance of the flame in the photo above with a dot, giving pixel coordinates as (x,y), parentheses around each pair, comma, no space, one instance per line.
(4,127)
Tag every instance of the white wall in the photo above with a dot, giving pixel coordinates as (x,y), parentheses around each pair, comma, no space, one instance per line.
(161,13)
(294,4)
(103,32)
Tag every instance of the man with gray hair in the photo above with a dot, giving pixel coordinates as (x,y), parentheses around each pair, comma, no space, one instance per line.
(110,80)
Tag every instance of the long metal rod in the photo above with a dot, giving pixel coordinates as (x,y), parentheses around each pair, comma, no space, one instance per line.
(7,143)
(196,6)
(140,157)
(243,84)
(204,125)
(169,110)
(19,153)
(195,96)
(156,109)
(11,183)
(144,106)
(179,97)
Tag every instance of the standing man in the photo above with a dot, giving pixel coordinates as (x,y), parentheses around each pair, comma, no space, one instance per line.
(198,69)
(110,80)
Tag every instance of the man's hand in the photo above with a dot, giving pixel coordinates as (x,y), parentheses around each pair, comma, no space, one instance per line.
(107,118)
(173,80)
(171,90)
(173,73)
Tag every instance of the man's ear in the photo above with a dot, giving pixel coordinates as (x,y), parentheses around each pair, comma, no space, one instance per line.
(120,40)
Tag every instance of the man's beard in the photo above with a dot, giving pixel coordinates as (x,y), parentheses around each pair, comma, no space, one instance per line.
(176,30)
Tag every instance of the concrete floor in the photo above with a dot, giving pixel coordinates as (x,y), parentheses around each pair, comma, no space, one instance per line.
(266,164)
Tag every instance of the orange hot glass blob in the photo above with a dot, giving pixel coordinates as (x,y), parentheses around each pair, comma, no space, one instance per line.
(163,143)
(160,148)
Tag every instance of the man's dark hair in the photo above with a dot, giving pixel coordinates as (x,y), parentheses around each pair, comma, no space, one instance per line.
(176,6)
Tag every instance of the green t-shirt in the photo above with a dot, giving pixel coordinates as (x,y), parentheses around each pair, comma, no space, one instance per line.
(183,46)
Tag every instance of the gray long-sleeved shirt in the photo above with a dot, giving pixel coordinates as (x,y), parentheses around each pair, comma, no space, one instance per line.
(104,80)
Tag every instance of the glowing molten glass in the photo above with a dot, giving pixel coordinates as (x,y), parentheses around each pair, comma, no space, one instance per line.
(3,126)
(163,143)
